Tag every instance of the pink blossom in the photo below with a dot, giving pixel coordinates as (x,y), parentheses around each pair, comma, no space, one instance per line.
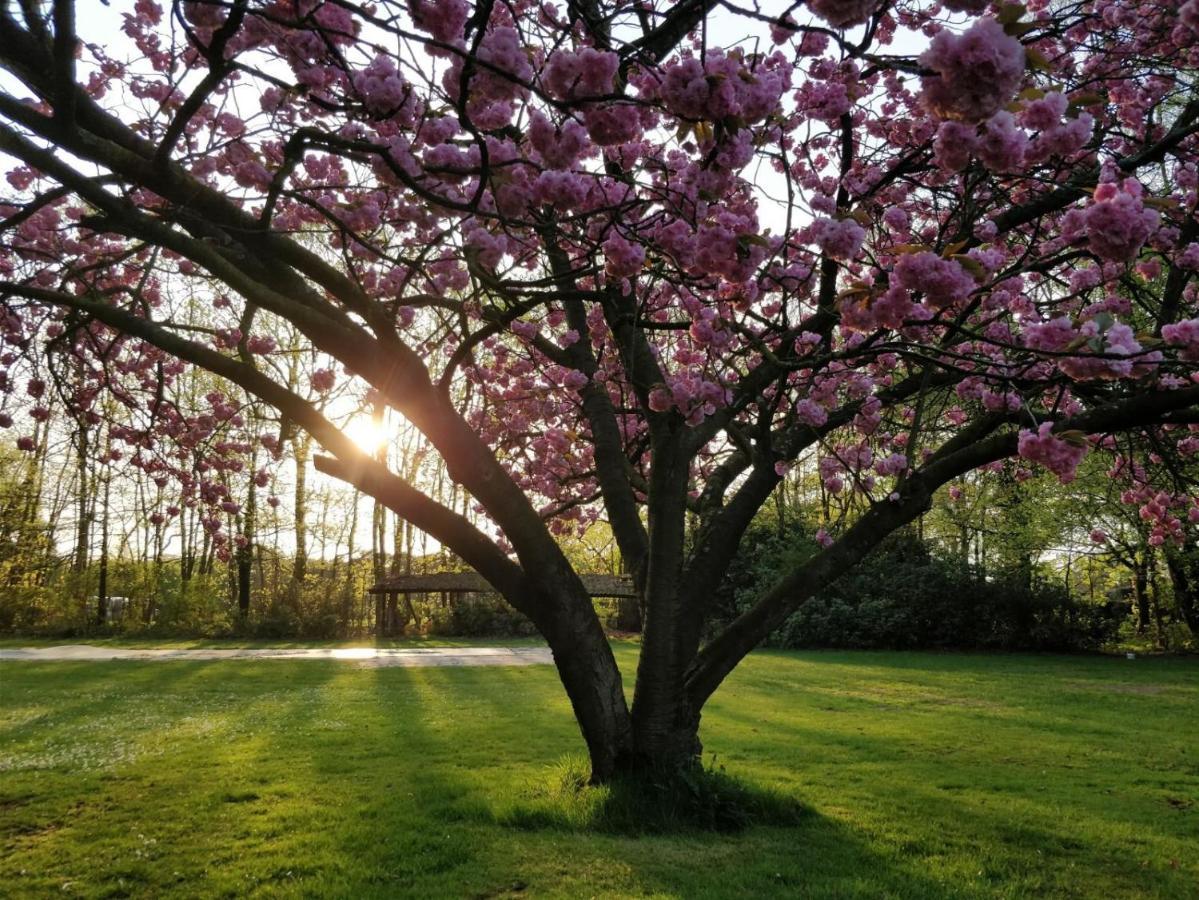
(1117,224)
(660,399)
(586,73)
(1098,536)
(811,413)
(444,19)
(622,258)
(894,464)
(1001,144)
(260,344)
(1061,457)
(954,145)
(1188,15)
(323,380)
(942,281)
(838,238)
(843,13)
(575,380)
(976,72)
(1184,334)
(1044,113)
(561,147)
(1189,257)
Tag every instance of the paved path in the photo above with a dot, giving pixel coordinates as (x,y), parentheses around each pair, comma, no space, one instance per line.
(367,656)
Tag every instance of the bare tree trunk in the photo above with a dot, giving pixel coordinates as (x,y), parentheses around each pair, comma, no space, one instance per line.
(245,551)
(1140,594)
(83,524)
(1183,565)
(102,587)
(301,445)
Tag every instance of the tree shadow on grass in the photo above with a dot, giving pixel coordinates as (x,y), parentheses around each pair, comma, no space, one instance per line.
(483,803)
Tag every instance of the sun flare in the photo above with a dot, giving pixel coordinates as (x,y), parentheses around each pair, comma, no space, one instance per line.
(369,435)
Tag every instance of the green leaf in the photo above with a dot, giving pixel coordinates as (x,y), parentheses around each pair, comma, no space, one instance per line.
(1011,12)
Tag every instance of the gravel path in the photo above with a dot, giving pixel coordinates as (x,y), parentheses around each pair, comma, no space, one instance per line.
(367,656)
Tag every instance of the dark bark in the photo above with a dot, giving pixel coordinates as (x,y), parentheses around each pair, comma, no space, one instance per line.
(1183,565)
(665,724)
(1140,596)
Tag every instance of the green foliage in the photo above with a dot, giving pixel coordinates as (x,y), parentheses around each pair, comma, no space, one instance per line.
(904,597)
(476,615)
(921,777)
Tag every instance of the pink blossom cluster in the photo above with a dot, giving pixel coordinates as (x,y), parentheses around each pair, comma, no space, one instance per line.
(1061,457)
(444,19)
(323,380)
(384,91)
(838,238)
(1117,223)
(893,464)
(722,86)
(844,13)
(1184,334)
(586,73)
(942,281)
(810,412)
(691,394)
(622,258)
(1118,340)
(558,147)
(975,73)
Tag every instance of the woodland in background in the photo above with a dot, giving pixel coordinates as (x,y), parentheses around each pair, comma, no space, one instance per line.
(1001,563)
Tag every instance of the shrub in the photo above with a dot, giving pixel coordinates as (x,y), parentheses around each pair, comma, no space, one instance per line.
(904,597)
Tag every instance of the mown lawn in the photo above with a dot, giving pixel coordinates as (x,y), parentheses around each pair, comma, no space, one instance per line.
(143,642)
(920,776)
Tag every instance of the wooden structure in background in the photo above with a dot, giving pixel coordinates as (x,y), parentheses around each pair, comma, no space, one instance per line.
(452,585)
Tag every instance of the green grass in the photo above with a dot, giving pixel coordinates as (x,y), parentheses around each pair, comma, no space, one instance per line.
(144,642)
(918,776)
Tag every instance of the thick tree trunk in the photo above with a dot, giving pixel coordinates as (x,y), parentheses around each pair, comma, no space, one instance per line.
(665,726)
(586,666)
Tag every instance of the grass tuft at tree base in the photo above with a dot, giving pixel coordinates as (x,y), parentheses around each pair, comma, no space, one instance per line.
(703,798)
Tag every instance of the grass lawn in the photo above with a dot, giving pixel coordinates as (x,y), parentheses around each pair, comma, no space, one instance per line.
(920,775)
(149,642)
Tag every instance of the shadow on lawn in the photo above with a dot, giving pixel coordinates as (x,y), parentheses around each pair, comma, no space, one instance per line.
(512,795)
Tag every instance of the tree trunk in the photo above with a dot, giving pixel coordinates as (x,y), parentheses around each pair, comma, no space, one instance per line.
(245,551)
(102,587)
(1183,566)
(83,526)
(665,726)
(1140,593)
(299,569)
(592,681)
